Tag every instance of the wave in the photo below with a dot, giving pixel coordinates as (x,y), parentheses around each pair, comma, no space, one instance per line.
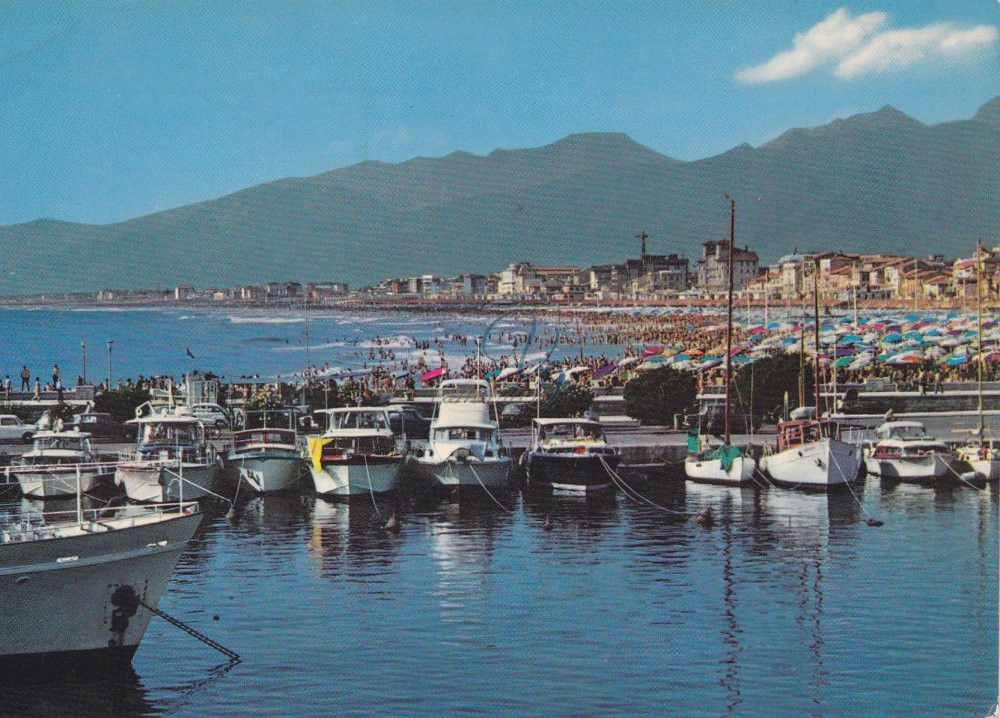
(313,347)
(265,320)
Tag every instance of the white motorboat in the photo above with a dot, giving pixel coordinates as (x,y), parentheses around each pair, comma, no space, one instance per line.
(810,454)
(266,458)
(76,587)
(356,455)
(570,456)
(904,451)
(725,464)
(59,464)
(464,448)
(172,459)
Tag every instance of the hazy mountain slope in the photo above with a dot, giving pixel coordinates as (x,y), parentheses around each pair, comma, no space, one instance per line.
(879,181)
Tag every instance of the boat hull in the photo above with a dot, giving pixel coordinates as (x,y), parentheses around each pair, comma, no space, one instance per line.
(819,465)
(55,484)
(266,474)
(468,474)
(155,484)
(353,478)
(65,597)
(911,468)
(710,471)
(571,473)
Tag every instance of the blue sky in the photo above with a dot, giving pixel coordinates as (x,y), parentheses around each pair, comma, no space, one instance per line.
(117,109)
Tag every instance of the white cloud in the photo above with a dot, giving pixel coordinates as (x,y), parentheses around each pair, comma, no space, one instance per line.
(828,40)
(900,48)
(854,46)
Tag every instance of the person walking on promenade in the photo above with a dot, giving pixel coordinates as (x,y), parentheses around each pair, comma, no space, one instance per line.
(25,378)
(59,391)
(38,390)
(55,374)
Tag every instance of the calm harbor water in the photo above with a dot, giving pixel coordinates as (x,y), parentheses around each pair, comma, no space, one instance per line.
(789,605)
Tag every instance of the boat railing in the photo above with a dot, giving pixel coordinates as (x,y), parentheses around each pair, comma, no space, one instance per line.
(59,467)
(26,526)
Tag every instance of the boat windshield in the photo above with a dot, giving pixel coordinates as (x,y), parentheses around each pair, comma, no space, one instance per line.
(375,420)
(459,433)
(264,436)
(70,443)
(578,432)
(904,431)
(170,433)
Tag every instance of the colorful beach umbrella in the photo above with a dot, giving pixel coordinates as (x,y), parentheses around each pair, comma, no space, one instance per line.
(432,374)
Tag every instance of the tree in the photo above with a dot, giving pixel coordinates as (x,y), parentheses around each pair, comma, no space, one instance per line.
(655,396)
(570,400)
(766,381)
(121,403)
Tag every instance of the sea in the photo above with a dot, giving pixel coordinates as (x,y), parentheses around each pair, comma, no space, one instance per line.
(790,604)
(271,344)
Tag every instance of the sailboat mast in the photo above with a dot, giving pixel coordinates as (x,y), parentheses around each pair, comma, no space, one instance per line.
(816,330)
(729,311)
(979,334)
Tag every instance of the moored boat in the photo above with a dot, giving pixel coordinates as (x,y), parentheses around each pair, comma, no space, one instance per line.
(570,456)
(810,454)
(464,449)
(59,464)
(356,455)
(905,452)
(266,458)
(77,586)
(172,459)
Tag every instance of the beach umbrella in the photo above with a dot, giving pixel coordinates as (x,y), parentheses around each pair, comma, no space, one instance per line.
(488,375)
(604,371)
(861,362)
(958,360)
(650,351)
(432,374)
(906,358)
(709,363)
(850,339)
(844,361)
(991,356)
(694,352)
(892,337)
(657,359)
(628,361)
(738,349)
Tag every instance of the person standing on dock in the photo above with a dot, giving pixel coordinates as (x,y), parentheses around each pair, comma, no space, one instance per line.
(25,378)
(6,387)
(55,374)
(38,390)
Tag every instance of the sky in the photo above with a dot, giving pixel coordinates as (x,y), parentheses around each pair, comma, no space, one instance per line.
(118,109)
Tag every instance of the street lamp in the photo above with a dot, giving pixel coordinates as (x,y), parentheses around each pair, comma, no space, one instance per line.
(110,344)
(83,348)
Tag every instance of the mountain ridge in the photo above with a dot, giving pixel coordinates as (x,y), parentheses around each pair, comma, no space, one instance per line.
(877,180)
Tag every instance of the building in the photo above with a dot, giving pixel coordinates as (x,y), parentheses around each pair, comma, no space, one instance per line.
(713,267)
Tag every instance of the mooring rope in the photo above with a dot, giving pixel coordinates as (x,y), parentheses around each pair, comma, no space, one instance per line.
(488,493)
(371,489)
(199,486)
(966,481)
(231,655)
(626,489)
(872,521)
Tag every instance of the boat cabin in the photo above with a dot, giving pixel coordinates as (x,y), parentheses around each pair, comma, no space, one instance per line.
(805,431)
(568,435)
(362,430)
(62,441)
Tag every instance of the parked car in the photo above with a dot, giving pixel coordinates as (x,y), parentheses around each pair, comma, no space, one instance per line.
(407,419)
(211,415)
(102,426)
(13,429)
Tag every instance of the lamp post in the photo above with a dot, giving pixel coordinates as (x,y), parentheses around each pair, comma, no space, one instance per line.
(110,344)
(83,348)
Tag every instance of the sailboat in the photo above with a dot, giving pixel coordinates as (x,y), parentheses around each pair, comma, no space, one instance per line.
(980,453)
(810,453)
(725,464)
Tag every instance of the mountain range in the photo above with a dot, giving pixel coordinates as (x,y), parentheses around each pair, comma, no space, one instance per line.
(879,181)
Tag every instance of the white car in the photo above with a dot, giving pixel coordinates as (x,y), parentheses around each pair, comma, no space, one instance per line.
(13,429)
(211,415)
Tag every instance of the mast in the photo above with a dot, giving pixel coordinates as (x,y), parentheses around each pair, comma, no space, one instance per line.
(816,330)
(729,311)
(979,334)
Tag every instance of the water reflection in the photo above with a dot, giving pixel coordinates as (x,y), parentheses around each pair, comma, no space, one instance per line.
(349,540)
(75,693)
